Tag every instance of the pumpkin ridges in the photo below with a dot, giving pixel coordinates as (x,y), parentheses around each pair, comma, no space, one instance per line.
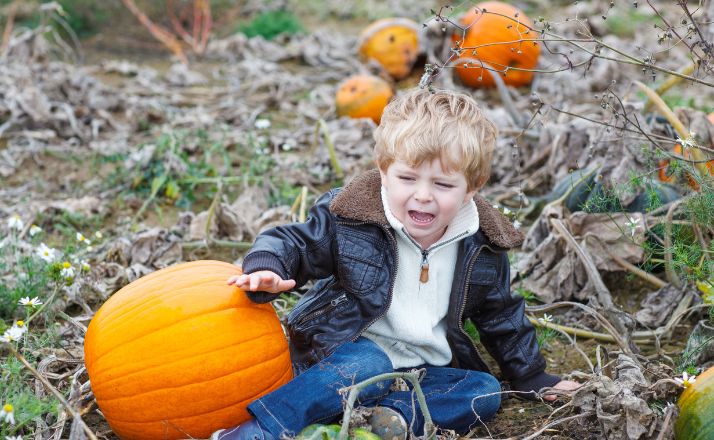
(226,379)
(391,42)
(147,332)
(223,417)
(111,405)
(500,39)
(145,283)
(123,374)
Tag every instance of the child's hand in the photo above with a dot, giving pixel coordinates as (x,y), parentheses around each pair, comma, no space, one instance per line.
(262,280)
(564,385)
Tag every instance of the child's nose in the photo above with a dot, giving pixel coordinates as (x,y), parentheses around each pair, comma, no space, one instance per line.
(423,194)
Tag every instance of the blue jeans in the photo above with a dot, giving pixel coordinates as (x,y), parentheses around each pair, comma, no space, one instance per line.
(457,399)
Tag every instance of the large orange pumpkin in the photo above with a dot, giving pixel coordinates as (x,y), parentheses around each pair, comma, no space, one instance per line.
(363,96)
(179,353)
(500,42)
(696,404)
(393,43)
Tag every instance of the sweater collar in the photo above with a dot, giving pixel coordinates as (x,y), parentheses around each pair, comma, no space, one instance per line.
(361,200)
(464,223)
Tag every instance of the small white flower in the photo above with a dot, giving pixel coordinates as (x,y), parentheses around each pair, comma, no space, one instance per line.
(546,318)
(686,380)
(16,437)
(286,147)
(82,239)
(689,142)
(34,230)
(261,124)
(7,413)
(98,235)
(47,253)
(15,222)
(67,273)
(633,224)
(506,211)
(517,224)
(27,302)
(85,267)
(14,333)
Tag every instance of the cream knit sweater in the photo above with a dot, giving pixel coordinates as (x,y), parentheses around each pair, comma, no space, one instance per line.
(413,331)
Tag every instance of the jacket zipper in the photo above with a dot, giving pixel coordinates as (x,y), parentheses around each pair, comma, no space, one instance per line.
(393,278)
(333,304)
(466,292)
(424,273)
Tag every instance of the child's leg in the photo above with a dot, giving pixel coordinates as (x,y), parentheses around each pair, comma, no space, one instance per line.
(312,396)
(457,399)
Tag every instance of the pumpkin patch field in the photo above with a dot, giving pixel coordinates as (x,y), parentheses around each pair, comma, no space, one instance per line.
(144,145)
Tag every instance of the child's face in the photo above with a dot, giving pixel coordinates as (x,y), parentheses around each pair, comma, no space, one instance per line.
(425,198)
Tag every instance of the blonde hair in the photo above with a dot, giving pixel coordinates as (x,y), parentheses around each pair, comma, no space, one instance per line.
(420,125)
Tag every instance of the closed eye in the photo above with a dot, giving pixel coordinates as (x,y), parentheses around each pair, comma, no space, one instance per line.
(445,185)
(405,178)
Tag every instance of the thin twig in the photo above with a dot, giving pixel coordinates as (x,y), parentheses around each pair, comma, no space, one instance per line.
(53,390)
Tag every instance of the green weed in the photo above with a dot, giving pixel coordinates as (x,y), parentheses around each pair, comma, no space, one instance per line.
(36,276)
(270,24)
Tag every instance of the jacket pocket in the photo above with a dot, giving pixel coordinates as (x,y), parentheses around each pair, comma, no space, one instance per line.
(318,301)
(360,261)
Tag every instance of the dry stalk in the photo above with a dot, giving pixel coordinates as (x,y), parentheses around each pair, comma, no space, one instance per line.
(9,24)
(303,205)
(53,390)
(699,159)
(157,31)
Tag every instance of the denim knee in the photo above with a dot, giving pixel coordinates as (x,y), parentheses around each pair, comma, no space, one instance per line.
(488,399)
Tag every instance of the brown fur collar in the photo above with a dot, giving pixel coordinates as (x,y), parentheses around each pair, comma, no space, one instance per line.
(361,200)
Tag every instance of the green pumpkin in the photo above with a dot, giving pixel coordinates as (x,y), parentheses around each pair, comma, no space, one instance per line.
(696,404)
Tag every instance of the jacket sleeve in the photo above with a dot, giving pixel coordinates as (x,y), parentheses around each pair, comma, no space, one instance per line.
(299,251)
(508,335)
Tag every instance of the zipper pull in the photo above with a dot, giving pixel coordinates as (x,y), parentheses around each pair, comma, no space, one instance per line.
(424,275)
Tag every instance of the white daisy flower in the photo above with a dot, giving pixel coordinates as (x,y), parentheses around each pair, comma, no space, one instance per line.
(85,267)
(546,318)
(633,224)
(34,230)
(27,302)
(686,380)
(82,239)
(67,271)
(14,333)
(47,253)
(7,413)
(15,222)
(261,124)
(98,235)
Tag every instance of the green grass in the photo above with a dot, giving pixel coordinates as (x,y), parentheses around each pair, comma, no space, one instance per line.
(270,24)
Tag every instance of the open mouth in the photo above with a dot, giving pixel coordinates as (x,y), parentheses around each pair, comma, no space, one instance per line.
(421,218)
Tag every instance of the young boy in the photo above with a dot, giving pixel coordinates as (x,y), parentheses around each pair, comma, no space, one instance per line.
(404,255)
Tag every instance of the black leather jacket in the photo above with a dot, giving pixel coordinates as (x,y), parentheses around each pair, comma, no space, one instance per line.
(348,245)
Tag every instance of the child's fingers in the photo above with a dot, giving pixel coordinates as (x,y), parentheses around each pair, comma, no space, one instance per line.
(235,279)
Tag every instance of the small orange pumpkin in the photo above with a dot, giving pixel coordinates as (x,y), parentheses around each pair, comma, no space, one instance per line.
(179,353)
(696,404)
(497,41)
(393,43)
(363,96)
(664,165)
